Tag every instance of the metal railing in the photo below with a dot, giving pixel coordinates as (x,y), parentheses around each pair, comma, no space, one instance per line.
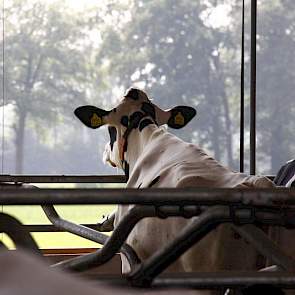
(153,196)
(58,179)
(241,207)
(62,178)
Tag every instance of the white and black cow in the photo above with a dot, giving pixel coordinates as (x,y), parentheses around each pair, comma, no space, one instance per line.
(152,157)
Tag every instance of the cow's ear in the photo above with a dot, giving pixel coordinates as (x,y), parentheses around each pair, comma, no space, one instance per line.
(92,116)
(180,116)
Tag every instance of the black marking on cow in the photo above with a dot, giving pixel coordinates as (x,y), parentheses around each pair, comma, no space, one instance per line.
(135,119)
(139,185)
(133,94)
(125,147)
(154,181)
(86,113)
(113,136)
(149,109)
(126,169)
(145,123)
(187,113)
(124,121)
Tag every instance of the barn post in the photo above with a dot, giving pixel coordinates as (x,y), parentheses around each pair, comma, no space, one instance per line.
(242,102)
(253,88)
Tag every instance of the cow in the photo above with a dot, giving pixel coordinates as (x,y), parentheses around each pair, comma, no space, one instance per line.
(150,156)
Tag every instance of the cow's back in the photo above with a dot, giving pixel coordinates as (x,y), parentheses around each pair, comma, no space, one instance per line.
(169,162)
(175,163)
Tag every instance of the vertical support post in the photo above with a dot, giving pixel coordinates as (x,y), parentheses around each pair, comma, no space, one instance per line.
(3,92)
(242,103)
(253,88)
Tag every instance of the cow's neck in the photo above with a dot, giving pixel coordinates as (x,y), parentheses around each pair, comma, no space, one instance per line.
(137,142)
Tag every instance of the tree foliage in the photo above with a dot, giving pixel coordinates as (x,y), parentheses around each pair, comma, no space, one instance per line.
(168,49)
(181,52)
(275,91)
(46,66)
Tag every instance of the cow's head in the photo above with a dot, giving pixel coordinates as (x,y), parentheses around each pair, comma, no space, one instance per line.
(135,111)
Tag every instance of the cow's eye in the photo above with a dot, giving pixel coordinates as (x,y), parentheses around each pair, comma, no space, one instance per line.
(113,136)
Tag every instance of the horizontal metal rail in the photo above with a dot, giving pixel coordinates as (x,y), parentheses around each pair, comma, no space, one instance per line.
(207,280)
(69,178)
(166,196)
(63,178)
(285,280)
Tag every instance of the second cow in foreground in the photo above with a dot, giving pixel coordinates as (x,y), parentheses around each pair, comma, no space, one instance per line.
(152,157)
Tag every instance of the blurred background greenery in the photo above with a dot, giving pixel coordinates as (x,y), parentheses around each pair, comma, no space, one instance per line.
(57,55)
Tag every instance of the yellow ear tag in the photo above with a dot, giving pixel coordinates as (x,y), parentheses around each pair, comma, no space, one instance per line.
(179,119)
(96,121)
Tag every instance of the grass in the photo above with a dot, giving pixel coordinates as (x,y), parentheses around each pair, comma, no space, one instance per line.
(74,213)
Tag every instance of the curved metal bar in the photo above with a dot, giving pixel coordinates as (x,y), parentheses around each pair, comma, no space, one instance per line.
(126,225)
(19,235)
(113,244)
(191,234)
(197,229)
(89,234)
(260,241)
(3,246)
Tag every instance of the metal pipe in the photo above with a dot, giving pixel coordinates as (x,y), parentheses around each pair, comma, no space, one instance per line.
(113,244)
(89,234)
(169,196)
(260,241)
(204,280)
(242,103)
(253,88)
(42,228)
(18,234)
(121,232)
(196,230)
(126,225)
(144,274)
(219,280)
(63,178)
(2,246)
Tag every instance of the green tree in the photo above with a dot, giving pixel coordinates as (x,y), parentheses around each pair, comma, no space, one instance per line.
(275,80)
(46,66)
(169,49)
